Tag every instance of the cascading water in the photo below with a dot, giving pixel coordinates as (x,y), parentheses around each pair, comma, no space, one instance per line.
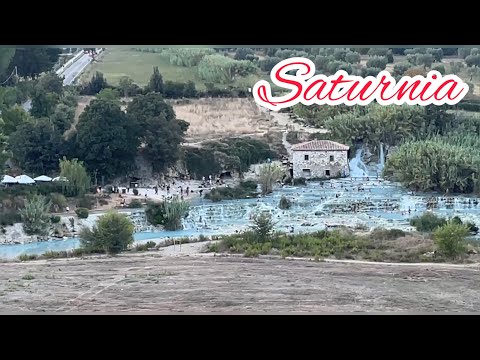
(381,164)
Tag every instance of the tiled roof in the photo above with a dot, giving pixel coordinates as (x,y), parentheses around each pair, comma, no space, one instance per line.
(320,145)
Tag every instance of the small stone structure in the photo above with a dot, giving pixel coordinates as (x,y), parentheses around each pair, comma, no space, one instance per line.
(320,159)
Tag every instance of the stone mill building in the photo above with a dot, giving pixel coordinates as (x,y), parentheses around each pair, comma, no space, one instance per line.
(320,159)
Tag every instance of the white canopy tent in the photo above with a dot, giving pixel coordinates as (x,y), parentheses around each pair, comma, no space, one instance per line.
(7,179)
(43,178)
(60,178)
(24,179)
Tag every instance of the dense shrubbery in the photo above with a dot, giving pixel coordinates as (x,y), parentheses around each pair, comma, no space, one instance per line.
(187,57)
(112,234)
(221,69)
(427,222)
(244,190)
(232,154)
(82,213)
(285,203)
(439,164)
(169,213)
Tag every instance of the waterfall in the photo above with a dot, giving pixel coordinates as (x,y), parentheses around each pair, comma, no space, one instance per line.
(381,164)
(357,166)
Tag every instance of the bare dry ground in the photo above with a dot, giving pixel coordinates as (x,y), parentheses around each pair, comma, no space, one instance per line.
(150,282)
(217,118)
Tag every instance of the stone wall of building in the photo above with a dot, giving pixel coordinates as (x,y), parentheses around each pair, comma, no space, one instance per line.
(318,162)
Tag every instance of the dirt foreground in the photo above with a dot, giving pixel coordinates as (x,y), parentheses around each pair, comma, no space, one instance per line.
(174,281)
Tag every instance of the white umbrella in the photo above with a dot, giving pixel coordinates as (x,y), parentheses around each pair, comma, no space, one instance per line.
(60,178)
(24,179)
(43,178)
(7,179)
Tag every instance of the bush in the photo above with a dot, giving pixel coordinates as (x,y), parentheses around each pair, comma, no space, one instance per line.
(103,202)
(470,226)
(135,204)
(244,190)
(35,216)
(285,203)
(427,222)
(262,226)
(135,192)
(450,239)
(58,201)
(25,257)
(82,213)
(86,202)
(55,219)
(113,233)
(8,218)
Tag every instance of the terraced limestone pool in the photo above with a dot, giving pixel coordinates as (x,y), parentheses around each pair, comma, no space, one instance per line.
(359,201)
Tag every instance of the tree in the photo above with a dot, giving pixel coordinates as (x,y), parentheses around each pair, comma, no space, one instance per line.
(4,154)
(125,84)
(352,57)
(106,139)
(51,83)
(12,118)
(62,118)
(109,95)
(380,52)
(436,53)
(473,60)
(425,59)
(6,56)
(377,62)
(439,68)
(35,216)
(76,174)
(456,66)
(242,53)
(95,85)
(450,239)
(43,104)
(37,146)
(463,52)
(113,233)
(156,81)
(31,62)
(263,226)
(222,69)
(162,140)
(161,133)
(339,54)
(269,174)
(400,68)
(268,63)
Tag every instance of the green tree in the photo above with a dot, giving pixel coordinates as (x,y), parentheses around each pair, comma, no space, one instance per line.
(13,118)
(425,59)
(269,174)
(43,104)
(6,56)
(352,57)
(37,146)
(377,62)
(31,62)
(125,84)
(113,233)
(62,118)
(106,140)
(156,81)
(161,133)
(78,179)
(472,60)
(263,226)
(450,239)
(35,216)
(51,83)
(4,153)
(95,85)
(109,95)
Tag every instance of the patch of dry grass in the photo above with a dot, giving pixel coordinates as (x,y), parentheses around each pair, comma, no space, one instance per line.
(216,118)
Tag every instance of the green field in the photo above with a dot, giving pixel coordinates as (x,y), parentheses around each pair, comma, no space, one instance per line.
(116,63)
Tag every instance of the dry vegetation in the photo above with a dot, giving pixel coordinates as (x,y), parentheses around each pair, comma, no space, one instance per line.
(217,118)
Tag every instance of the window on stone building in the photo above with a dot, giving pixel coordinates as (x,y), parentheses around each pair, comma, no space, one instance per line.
(306,157)
(331,158)
(306,172)
(327,172)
